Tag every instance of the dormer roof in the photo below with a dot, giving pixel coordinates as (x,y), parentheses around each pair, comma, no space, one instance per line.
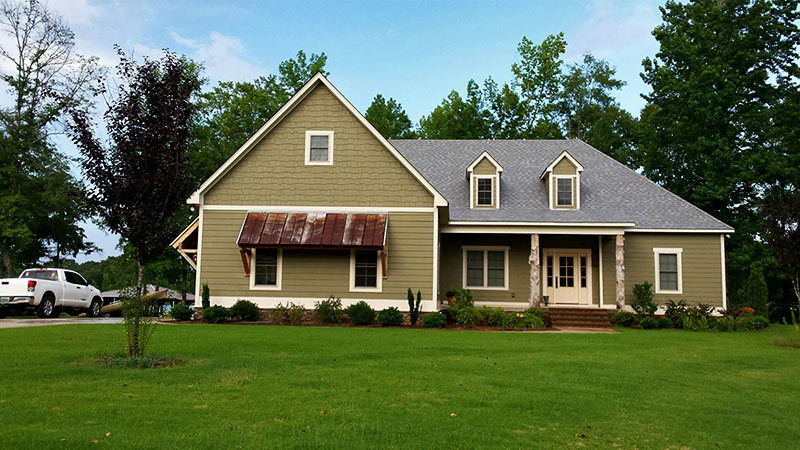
(552,165)
(481,157)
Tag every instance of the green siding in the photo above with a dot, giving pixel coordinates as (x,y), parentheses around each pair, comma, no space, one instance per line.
(485,167)
(565,167)
(318,273)
(364,173)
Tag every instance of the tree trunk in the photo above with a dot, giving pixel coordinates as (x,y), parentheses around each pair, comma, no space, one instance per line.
(535,283)
(796,287)
(620,271)
(8,265)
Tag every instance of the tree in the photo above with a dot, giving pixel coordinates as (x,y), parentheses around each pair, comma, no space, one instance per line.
(538,76)
(781,211)
(753,293)
(294,73)
(585,94)
(45,77)
(389,118)
(718,81)
(504,111)
(456,118)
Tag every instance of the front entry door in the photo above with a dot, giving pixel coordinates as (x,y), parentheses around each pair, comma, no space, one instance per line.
(567,276)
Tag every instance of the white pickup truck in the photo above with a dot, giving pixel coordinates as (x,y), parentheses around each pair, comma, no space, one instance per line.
(48,292)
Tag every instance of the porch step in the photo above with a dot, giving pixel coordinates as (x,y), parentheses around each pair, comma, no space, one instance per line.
(579,318)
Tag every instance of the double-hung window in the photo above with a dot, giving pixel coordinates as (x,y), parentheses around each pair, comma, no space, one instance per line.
(319,148)
(485,267)
(485,192)
(564,192)
(266,269)
(365,270)
(669,279)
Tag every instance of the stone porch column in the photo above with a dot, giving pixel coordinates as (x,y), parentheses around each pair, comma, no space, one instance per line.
(620,270)
(536,288)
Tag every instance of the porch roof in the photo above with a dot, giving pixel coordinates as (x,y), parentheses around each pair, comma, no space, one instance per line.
(313,230)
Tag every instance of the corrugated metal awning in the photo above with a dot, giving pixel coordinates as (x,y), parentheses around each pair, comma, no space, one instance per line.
(313,230)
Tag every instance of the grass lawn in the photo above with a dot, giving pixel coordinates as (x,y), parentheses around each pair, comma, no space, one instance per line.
(308,387)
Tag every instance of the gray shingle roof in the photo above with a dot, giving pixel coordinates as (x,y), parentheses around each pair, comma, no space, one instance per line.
(610,191)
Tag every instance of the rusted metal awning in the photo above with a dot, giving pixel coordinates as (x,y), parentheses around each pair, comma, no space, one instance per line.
(328,231)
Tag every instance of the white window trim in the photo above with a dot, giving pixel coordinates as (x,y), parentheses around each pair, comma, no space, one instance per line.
(669,251)
(278,275)
(329,162)
(378,278)
(473,200)
(576,188)
(484,249)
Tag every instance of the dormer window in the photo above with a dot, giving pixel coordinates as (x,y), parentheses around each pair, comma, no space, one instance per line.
(484,182)
(319,148)
(563,178)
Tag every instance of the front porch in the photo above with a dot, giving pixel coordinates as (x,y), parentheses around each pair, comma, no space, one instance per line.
(515,271)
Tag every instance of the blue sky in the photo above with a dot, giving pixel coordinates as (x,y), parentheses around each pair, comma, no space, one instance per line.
(415,52)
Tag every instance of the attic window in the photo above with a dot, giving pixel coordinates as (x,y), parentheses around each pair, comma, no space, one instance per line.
(485,188)
(564,192)
(319,148)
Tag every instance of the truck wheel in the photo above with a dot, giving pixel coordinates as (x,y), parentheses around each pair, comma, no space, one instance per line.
(46,308)
(94,308)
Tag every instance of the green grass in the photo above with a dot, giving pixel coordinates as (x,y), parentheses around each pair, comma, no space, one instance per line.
(349,388)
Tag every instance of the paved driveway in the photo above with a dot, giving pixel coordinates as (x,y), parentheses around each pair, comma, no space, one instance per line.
(19,323)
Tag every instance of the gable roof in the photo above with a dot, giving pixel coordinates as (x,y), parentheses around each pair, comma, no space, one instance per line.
(610,191)
(564,154)
(480,158)
(318,79)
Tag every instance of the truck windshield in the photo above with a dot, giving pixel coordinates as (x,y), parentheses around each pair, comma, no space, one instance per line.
(40,274)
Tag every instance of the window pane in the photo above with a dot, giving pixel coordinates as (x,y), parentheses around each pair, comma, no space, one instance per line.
(266,267)
(319,142)
(474,268)
(366,269)
(583,271)
(564,192)
(496,268)
(485,191)
(566,271)
(318,154)
(668,268)
(549,271)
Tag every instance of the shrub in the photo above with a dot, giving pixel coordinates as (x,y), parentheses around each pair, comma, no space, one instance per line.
(296,313)
(753,292)
(674,311)
(624,319)
(535,322)
(245,310)
(468,316)
(644,305)
(753,322)
(538,312)
(464,299)
(648,323)
(290,313)
(206,296)
(328,311)
(360,313)
(390,317)
(434,320)
(181,312)
(722,324)
(495,317)
(526,319)
(413,307)
(216,314)
(664,322)
(280,313)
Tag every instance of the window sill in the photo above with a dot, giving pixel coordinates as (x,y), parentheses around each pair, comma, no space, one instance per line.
(365,289)
(669,292)
(319,163)
(482,288)
(264,287)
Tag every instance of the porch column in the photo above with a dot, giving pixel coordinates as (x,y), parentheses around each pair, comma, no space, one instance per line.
(536,289)
(620,257)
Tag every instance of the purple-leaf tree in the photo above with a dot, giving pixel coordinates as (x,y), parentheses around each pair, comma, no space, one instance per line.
(781,211)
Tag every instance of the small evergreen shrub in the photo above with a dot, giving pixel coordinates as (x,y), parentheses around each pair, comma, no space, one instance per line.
(245,310)
(648,323)
(328,311)
(360,313)
(216,314)
(468,316)
(205,295)
(413,307)
(754,322)
(754,293)
(665,323)
(390,317)
(434,320)
(644,305)
(624,319)
(495,317)
(181,312)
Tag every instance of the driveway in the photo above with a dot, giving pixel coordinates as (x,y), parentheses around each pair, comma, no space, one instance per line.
(20,323)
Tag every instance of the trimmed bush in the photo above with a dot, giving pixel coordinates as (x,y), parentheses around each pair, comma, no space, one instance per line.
(624,319)
(360,313)
(216,314)
(648,323)
(495,317)
(468,316)
(434,320)
(390,317)
(205,295)
(328,311)
(245,310)
(181,312)
(413,307)
(644,305)
(753,322)
(535,317)
(664,323)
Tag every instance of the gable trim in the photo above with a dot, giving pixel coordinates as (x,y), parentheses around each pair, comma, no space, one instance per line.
(564,154)
(197,196)
(480,158)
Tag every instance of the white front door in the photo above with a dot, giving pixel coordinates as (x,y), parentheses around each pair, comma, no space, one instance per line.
(567,276)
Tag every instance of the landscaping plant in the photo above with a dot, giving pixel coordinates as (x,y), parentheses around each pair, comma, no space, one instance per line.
(434,320)
(206,296)
(644,305)
(390,317)
(648,323)
(216,314)
(245,310)
(753,293)
(464,299)
(180,312)
(139,326)
(328,311)
(468,316)
(624,319)
(360,313)
(413,307)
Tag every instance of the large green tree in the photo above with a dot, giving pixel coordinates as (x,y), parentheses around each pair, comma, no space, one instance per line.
(457,117)
(389,118)
(538,76)
(721,76)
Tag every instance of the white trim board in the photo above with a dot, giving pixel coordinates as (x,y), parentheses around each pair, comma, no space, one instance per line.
(197,196)
(331,209)
(466,229)
(278,275)
(564,154)
(678,260)
(485,249)
(308,302)
(378,273)
(327,162)
(480,158)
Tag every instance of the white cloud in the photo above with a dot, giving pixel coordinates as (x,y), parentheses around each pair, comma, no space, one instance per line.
(614,28)
(223,57)
(75,11)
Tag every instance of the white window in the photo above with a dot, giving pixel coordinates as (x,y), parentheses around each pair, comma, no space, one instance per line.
(564,191)
(485,191)
(485,268)
(668,268)
(266,269)
(319,148)
(365,271)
